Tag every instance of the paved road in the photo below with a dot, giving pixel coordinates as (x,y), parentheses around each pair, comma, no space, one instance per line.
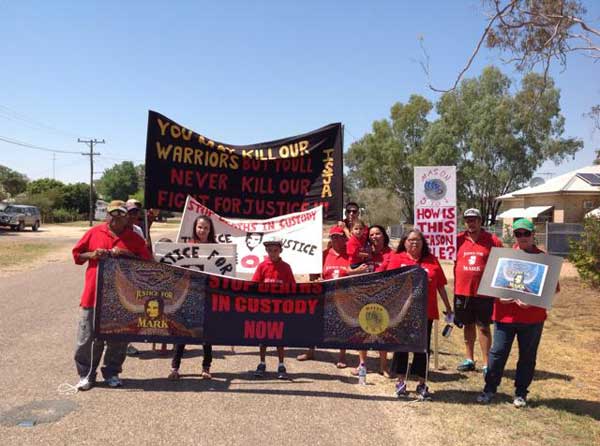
(320,405)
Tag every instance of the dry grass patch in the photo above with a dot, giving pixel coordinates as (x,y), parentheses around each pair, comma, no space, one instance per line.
(564,399)
(19,255)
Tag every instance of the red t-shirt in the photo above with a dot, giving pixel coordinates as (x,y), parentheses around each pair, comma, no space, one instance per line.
(511,313)
(377,258)
(435,276)
(335,264)
(100,237)
(471,258)
(273,272)
(354,247)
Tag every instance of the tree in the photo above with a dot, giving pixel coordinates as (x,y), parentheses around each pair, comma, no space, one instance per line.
(44,185)
(585,252)
(496,139)
(11,181)
(77,197)
(535,33)
(372,200)
(118,182)
(385,157)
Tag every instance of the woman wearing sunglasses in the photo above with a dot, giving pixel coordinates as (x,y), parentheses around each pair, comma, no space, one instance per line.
(513,318)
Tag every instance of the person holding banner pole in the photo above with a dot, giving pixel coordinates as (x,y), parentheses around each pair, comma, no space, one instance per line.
(336,264)
(513,318)
(110,239)
(380,250)
(273,270)
(204,232)
(414,250)
(473,311)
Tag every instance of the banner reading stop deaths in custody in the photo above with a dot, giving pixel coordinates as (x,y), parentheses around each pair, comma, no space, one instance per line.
(154,302)
(435,208)
(255,181)
(300,234)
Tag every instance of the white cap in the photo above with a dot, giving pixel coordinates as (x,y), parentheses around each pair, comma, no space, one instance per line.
(472,212)
(272,240)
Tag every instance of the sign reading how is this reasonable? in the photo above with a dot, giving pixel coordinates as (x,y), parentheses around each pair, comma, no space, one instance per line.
(254,181)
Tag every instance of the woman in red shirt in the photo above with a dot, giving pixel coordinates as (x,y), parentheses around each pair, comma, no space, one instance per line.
(413,250)
(204,232)
(513,318)
(379,242)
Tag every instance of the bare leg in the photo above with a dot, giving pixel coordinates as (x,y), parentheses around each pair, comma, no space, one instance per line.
(470,334)
(263,352)
(281,354)
(485,342)
(383,364)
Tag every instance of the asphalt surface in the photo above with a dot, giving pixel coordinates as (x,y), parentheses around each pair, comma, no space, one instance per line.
(319,405)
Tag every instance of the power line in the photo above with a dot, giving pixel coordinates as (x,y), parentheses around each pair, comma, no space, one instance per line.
(31,146)
(13,115)
(91,142)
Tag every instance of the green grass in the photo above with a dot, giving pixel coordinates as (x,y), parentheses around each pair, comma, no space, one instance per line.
(19,253)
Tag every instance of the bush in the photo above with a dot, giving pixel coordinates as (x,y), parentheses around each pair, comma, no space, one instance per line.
(61,215)
(585,252)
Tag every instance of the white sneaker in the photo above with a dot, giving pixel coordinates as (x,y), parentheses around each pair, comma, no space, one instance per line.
(114,382)
(519,401)
(84,384)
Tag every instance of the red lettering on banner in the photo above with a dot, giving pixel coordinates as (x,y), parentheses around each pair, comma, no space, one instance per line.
(263,329)
(250,261)
(176,200)
(220,302)
(192,178)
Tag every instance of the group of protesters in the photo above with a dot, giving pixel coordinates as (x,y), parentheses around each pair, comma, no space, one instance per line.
(354,248)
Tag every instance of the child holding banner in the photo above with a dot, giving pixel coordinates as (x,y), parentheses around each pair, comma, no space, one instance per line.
(204,232)
(273,270)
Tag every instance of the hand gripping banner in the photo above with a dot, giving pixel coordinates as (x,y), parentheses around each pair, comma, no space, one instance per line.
(255,181)
(140,301)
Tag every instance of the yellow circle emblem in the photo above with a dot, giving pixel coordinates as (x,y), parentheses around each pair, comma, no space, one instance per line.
(373,319)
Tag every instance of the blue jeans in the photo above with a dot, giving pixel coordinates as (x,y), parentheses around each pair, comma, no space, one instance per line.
(528,338)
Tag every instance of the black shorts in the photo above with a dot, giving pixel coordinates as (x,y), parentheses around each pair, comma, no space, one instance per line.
(473,310)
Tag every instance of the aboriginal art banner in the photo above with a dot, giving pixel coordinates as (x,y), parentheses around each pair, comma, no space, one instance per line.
(255,181)
(435,208)
(140,301)
(301,235)
(515,274)
(211,258)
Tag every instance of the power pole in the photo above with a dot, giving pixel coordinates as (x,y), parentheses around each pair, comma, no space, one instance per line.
(91,143)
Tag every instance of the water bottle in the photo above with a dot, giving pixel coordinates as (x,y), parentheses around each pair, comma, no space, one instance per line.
(362,374)
(447,331)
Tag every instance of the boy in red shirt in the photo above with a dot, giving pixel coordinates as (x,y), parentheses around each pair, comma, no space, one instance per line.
(273,270)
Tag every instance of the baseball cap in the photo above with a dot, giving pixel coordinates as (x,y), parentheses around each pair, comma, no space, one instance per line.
(472,212)
(130,206)
(523,223)
(116,205)
(272,240)
(336,230)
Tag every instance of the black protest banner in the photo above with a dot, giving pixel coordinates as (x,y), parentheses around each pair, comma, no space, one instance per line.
(256,181)
(140,301)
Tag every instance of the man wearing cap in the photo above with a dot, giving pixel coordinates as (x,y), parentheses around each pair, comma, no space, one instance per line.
(513,318)
(110,239)
(273,270)
(471,310)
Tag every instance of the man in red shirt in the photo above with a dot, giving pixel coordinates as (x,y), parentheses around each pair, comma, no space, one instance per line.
(110,239)
(471,310)
(273,270)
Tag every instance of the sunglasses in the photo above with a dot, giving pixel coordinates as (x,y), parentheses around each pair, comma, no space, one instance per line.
(352,211)
(520,234)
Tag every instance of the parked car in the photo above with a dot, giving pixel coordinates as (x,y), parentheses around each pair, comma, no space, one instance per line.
(18,216)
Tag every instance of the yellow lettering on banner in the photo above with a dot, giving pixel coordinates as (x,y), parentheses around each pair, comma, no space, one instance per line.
(247,153)
(163,151)
(327,173)
(187,155)
(177,152)
(303,145)
(186,134)
(163,126)
(175,131)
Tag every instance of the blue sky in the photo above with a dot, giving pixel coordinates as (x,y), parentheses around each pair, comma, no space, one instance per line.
(239,72)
